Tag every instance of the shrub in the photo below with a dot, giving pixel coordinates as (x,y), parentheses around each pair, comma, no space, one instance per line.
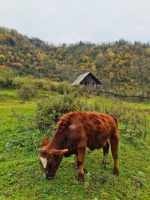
(27,91)
(3,82)
(18,82)
(6,77)
(50,110)
(40,84)
(61,87)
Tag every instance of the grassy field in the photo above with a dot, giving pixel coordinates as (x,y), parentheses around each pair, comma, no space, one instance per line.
(21,177)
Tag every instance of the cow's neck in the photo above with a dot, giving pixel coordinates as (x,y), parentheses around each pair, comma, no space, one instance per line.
(57,141)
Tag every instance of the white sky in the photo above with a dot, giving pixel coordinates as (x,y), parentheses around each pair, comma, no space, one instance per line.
(69,21)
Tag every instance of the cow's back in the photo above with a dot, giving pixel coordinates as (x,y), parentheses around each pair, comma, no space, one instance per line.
(99,129)
(91,129)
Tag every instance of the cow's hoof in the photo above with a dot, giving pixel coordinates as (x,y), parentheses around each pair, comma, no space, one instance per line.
(81,183)
(49,177)
(116,172)
(81,178)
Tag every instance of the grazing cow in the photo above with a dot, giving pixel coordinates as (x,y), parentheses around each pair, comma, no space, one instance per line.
(76,131)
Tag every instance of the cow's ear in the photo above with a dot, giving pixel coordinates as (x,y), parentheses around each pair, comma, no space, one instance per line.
(60,152)
(45,142)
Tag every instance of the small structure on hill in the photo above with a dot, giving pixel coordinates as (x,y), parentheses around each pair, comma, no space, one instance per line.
(89,81)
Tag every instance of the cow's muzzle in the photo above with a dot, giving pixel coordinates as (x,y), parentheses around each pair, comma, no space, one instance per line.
(49,177)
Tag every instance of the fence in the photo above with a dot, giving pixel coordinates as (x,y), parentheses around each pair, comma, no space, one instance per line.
(125,97)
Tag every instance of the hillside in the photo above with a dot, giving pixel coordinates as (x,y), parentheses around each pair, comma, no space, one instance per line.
(122,67)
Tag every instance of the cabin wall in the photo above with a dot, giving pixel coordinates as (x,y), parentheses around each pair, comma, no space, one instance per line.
(89,83)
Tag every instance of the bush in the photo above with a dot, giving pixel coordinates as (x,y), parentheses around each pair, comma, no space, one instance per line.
(6,77)
(18,82)
(27,91)
(41,84)
(62,87)
(50,110)
(3,82)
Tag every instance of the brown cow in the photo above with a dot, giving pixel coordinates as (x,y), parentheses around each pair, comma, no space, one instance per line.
(76,131)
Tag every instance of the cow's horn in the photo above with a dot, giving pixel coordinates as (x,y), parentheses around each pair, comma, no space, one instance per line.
(60,152)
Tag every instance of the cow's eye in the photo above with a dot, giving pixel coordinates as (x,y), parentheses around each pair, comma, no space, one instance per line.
(44,153)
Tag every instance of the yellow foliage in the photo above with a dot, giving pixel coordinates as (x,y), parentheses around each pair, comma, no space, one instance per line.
(110,54)
(148,51)
(41,57)
(2,57)
(132,80)
(82,67)
(93,68)
(100,55)
(111,75)
(85,58)
(126,55)
(38,68)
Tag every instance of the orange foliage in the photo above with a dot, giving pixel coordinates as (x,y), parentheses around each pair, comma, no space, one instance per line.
(17,64)
(47,79)
(2,66)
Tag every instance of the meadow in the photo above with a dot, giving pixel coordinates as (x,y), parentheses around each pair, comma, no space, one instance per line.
(21,177)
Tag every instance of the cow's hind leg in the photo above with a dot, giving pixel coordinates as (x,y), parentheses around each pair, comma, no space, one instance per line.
(114,149)
(80,164)
(105,153)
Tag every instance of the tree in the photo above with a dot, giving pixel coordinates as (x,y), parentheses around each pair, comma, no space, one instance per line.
(2,59)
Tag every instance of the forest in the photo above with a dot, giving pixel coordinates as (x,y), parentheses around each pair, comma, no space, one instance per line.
(122,67)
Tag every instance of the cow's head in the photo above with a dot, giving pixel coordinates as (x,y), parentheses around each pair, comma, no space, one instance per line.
(50,158)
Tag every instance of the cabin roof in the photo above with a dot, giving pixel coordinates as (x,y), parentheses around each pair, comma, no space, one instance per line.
(83,76)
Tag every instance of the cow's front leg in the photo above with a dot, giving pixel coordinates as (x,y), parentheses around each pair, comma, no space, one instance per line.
(80,164)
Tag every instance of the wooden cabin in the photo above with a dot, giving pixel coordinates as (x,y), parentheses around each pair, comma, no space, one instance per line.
(88,80)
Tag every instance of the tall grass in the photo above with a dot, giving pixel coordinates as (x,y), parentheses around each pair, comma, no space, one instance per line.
(134,121)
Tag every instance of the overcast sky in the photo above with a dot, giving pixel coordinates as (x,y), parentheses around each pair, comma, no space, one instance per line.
(71,21)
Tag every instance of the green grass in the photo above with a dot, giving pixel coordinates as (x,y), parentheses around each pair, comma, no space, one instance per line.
(12,112)
(21,177)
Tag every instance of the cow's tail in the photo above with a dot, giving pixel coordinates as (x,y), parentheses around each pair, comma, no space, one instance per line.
(115,118)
